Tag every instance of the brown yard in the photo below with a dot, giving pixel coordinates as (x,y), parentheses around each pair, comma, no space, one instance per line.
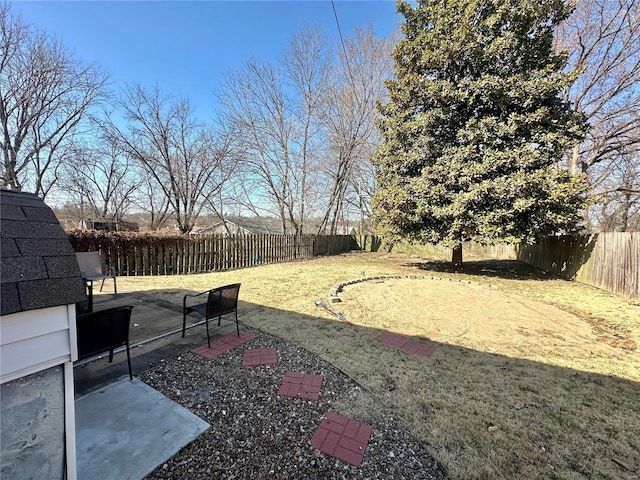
(532,377)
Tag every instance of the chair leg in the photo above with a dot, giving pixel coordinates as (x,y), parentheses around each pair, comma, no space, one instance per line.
(111,355)
(237,325)
(129,362)
(115,287)
(184,323)
(102,284)
(206,322)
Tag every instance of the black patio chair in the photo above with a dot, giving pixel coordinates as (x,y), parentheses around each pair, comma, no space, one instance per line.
(103,331)
(220,301)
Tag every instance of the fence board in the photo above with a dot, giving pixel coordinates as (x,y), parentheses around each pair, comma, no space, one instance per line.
(149,255)
(610,260)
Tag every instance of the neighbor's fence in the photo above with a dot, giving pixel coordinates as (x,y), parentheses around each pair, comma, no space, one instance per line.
(610,261)
(148,254)
(469,249)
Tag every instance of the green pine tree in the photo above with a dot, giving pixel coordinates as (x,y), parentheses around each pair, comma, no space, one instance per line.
(475,129)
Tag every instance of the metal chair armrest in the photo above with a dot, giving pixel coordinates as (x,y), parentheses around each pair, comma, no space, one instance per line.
(198,294)
(184,299)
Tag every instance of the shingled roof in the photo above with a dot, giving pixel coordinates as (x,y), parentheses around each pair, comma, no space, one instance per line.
(38,267)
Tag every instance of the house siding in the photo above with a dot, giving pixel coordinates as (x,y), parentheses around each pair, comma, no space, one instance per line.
(34,341)
(40,284)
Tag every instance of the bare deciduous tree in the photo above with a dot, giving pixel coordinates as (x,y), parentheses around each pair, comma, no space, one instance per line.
(618,208)
(308,65)
(276,108)
(150,198)
(44,94)
(349,119)
(256,104)
(603,39)
(189,161)
(101,178)
(308,126)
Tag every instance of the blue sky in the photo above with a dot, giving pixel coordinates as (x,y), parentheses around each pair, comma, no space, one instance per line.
(187,47)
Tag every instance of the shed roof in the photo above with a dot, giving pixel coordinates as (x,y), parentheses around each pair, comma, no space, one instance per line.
(38,266)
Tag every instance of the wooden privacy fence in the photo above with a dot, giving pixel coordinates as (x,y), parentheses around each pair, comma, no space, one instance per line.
(610,261)
(145,254)
(500,251)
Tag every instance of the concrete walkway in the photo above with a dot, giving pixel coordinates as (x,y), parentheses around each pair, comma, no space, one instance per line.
(126,429)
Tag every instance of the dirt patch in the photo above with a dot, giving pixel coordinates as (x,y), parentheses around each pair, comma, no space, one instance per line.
(613,333)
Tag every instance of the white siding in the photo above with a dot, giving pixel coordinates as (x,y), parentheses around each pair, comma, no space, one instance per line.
(35,340)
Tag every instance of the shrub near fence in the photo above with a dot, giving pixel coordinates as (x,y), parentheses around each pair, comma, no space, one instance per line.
(133,253)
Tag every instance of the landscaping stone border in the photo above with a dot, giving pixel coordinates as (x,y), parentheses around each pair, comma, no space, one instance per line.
(336,289)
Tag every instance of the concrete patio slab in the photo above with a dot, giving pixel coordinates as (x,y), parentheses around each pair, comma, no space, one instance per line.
(126,429)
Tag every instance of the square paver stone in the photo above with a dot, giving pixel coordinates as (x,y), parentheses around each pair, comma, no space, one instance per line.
(415,348)
(259,356)
(404,343)
(391,339)
(301,385)
(224,344)
(342,438)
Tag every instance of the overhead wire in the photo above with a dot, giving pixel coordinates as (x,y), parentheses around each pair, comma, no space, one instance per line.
(344,50)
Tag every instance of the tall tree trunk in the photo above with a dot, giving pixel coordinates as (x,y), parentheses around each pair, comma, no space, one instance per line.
(456,256)
(576,167)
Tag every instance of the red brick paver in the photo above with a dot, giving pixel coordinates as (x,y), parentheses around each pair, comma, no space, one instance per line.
(404,343)
(395,340)
(342,438)
(301,385)
(259,356)
(224,344)
(415,348)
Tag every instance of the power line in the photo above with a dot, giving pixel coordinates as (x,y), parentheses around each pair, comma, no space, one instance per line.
(344,50)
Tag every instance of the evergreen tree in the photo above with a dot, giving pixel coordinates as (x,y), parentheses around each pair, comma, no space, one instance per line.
(475,129)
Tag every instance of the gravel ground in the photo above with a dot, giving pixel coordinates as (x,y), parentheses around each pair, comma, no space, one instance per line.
(256,434)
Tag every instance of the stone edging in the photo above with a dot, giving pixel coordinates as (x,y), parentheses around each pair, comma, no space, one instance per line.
(336,289)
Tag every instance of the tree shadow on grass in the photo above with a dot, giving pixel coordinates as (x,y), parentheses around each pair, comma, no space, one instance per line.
(533,420)
(506,269)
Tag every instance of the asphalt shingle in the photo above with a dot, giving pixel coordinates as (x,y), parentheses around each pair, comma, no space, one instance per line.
(22,269)
(62,266)
(46,247)
(9,248)
(9,300)
(38,267)
(12,212)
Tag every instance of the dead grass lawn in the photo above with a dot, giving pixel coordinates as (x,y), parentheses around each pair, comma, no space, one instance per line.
(532,377)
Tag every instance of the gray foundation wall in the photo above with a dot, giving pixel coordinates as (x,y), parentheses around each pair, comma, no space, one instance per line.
(32,439)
